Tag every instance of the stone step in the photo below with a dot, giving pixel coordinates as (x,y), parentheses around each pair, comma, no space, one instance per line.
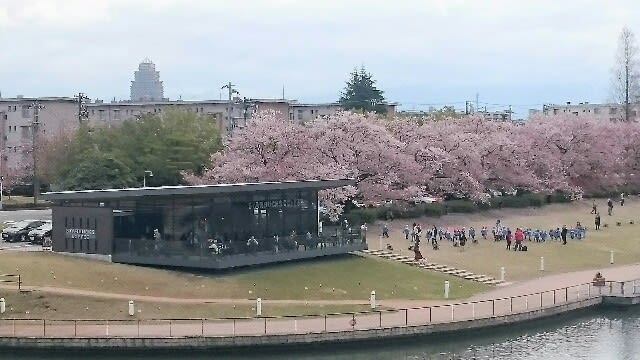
(493,282)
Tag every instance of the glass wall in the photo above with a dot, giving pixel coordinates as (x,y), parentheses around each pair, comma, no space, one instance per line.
(222,225)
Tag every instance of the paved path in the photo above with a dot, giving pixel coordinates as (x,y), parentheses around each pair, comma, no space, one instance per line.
(542,284)
(511,299)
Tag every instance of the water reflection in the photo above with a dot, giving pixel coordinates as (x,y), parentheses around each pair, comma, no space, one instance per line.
(603,336)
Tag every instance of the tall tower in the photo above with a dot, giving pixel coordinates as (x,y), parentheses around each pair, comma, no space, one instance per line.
(146,84)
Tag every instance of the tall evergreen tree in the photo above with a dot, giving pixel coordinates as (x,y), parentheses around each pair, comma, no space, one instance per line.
(361,93)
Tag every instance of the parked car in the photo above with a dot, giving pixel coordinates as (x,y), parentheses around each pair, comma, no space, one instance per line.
(426,199)
(37,235)
(20,230)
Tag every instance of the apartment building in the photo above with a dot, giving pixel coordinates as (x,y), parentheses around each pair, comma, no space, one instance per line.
(17,118)
(61,114)
(602,112)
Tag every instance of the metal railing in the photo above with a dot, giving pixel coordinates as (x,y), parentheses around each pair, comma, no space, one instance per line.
(303,324)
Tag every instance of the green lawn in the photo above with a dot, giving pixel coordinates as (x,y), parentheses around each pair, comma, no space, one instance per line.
(488,256)
(347,277)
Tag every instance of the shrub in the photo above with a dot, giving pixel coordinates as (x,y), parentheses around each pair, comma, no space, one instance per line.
(434,209)
(461,206)
(362,215)
(558,197)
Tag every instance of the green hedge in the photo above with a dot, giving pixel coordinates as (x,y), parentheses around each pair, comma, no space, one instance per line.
(407,210)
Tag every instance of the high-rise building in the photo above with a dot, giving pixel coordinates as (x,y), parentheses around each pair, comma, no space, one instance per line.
(146,85)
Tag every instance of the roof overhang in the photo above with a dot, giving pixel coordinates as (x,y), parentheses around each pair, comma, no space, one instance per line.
(107,194)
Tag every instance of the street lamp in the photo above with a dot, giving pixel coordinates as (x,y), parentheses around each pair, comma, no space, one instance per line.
(144,179)
(1,190)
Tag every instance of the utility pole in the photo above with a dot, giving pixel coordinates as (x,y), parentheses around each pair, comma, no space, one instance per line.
(466,108)
(230,87)
(83,113)
(35,123)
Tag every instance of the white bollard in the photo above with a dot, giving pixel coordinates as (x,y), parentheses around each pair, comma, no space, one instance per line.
(131,308)
(541,263)
(502,272)
(258,307)
(611,257)
(446,289)
(372,300)
(2,306)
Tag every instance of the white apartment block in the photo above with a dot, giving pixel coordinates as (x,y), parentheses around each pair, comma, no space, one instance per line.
(602,112)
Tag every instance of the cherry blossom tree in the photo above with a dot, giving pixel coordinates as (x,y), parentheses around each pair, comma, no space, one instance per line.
(404,157)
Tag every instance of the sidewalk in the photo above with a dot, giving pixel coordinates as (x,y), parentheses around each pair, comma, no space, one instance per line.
(621,273)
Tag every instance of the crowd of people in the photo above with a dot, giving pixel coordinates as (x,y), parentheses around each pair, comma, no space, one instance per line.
(461,236)
(515,238)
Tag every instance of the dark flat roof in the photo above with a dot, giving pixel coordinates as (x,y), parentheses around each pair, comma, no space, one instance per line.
(194,190)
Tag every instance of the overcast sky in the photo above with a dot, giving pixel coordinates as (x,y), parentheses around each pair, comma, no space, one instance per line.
(523,53)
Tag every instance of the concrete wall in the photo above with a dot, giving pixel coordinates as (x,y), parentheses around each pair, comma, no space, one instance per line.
(294,339)
(90,218)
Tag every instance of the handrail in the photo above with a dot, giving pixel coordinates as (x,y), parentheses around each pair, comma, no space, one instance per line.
(264,321)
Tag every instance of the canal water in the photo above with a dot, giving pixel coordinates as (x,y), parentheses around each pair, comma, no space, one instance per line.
(601,335)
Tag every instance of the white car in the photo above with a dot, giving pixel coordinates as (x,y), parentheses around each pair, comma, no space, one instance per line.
(425,200)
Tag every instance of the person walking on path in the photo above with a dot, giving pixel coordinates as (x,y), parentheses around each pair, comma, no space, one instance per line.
(597,221)
(609,206)
(385,231)
(508,238)
(594,208)
(563,234)
(621,199)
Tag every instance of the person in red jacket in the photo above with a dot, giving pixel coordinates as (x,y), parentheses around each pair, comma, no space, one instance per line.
(519,236)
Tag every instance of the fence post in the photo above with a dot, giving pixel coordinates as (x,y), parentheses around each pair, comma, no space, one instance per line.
(44,327)
(611,288)
(493,307)
(622,287)
(406,317)
(353,321)
(380,318)
(430,318)
(234,327)
(202,327)
(446,289)
(452,313)
(511,310)
(540,300)
(170,330)
(325,322)
(265,326)
(566,294)
(19,282)
(526,302)
(75,328)
(554,296)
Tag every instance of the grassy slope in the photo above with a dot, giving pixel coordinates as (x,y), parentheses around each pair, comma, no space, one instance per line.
(340,278)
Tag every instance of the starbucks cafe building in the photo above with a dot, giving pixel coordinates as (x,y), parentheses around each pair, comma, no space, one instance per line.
(205,226)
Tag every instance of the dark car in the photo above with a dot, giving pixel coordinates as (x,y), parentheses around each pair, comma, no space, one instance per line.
(20,230)
(37,235)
